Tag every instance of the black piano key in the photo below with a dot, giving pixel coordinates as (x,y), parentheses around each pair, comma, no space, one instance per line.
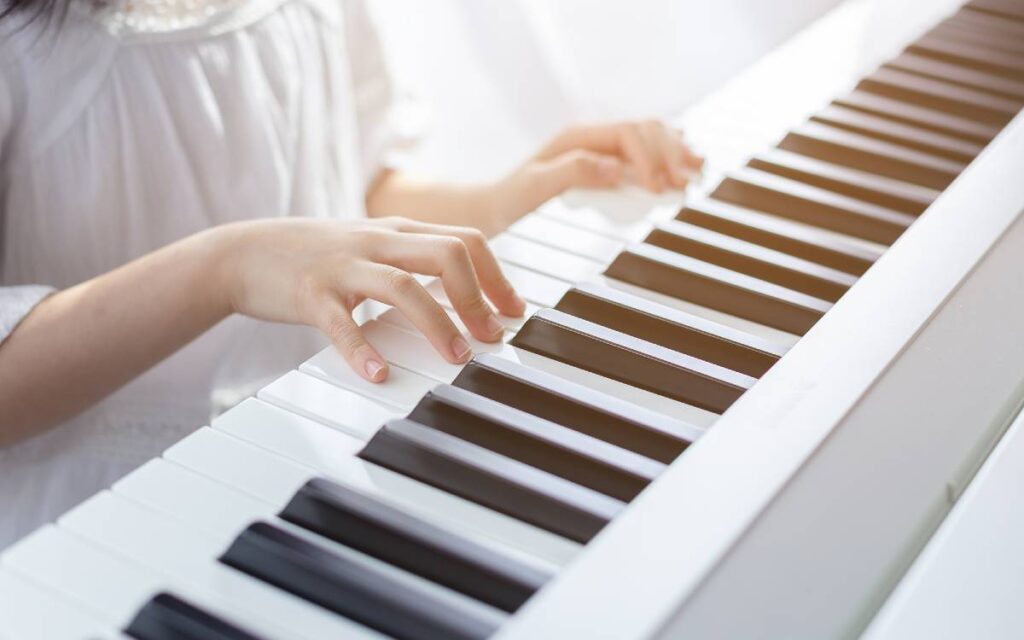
(636,362)
(892,194)
(713,287)
(900,111)
(955,74)
(384,532)
(1008,10)
(874,156)
(751,259)
(492,480)
(988,23)
(671,328)
(649,433)
(347,588)
(970,56)
(957,32)
(168,617)
(865,124)
(940,95)
(811,205)
(575,456)
(776,233)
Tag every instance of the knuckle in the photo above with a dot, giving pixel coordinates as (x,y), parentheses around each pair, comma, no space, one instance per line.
(453,249)
(399,283)
(392,223)
(582,164)
(472,236)
(402,223)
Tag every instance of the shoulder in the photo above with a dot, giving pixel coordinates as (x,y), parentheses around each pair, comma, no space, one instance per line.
(48,70)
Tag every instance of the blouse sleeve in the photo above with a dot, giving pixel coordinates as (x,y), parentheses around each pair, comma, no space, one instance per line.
(15,304)
(388,122)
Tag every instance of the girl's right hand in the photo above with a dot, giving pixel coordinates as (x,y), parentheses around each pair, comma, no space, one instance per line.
(315,272)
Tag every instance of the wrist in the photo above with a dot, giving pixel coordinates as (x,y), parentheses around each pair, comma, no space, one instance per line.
(503,202)
(218,253)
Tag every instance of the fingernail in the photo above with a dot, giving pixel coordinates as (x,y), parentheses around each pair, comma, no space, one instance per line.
(494,326)
(460,348)
(374,369)
(683,177)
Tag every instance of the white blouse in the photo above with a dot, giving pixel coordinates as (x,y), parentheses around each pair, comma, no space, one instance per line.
(137,125)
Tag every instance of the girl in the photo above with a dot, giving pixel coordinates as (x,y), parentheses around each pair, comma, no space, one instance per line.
(174,165)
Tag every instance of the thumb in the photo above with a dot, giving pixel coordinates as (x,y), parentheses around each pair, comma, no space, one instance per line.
(578,168)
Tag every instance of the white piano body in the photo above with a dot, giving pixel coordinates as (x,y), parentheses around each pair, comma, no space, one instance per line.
(802,510)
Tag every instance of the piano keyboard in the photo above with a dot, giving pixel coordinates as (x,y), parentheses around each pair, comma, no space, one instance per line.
(438,504)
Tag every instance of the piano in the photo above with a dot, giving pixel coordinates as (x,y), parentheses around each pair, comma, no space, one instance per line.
(786,407)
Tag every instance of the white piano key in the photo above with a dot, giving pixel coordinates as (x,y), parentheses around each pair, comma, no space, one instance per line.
(321,449)
(303,395)
(413,352)
(195,556)
(32,612)
(865,249)
(416,353)
(169,488)
(782,338)
(402,389)
(130,530)
(510,323)
(395,317)
(624,228)
(533,287)
(275,479)
(543,259)
(113,587)
(108,587)
(221,511)
(572,239)
(302,440)
(688,413)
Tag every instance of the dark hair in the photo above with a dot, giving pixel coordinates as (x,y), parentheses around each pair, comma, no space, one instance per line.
(24,12)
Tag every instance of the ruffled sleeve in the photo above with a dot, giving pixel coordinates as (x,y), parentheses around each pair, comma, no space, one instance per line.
(15,304)
(389,122)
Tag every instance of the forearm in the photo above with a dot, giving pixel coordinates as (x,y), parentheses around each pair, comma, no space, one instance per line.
(398,194)
(82,343)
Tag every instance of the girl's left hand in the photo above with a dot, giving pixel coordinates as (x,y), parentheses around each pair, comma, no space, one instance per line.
(600,156)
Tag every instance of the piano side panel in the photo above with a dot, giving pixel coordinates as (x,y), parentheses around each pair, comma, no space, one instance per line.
(968,580)
(826,407)
(823,557)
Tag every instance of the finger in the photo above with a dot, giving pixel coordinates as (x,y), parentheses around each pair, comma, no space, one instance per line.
(576,169)
(674,156)
(644,156)
(336,322)
(694,160)
(492,280)
(446,256)
(394,286)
